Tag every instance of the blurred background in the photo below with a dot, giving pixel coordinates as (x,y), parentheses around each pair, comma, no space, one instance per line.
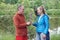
(9,7)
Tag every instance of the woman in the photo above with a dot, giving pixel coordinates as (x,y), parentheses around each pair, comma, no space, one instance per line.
(41,24)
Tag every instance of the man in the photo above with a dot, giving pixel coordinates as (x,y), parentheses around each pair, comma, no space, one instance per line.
(20,24)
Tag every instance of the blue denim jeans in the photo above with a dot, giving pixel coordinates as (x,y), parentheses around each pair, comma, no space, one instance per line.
(39,36)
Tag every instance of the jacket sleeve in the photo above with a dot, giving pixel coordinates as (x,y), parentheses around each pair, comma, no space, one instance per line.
(17,24)
(46,19)
(35,24)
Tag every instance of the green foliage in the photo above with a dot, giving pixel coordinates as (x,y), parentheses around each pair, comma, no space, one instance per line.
(55,12)
(52,4)
(54,23)
(9,7)
(55,37)
(10,1)
(6,23)
(31,32)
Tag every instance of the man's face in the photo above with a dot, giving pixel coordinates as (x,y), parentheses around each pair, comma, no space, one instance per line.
(21,9)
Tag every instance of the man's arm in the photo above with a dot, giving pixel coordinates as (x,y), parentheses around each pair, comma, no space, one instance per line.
(17,24)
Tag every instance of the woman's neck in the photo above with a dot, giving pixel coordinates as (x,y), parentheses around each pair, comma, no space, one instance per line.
(41,14)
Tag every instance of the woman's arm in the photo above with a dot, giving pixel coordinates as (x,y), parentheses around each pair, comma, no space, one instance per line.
(46,18)
(35,24)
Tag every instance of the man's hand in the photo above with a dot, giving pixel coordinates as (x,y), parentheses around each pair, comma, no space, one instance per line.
(28,23)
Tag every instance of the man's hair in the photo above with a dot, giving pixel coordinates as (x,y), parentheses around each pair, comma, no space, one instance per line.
(19,6)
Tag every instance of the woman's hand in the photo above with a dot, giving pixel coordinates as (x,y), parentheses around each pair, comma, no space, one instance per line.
(43,35)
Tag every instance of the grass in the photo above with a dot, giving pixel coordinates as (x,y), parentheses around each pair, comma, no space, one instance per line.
(7,37)
(12,37)
(55,37)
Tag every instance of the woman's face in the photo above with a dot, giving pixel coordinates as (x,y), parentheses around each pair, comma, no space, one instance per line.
(39,10)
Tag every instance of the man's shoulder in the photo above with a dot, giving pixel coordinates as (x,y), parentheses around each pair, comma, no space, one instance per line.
(15,15)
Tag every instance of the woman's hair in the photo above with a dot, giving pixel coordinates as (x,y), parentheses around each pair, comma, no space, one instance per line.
(35,10)
(42,8)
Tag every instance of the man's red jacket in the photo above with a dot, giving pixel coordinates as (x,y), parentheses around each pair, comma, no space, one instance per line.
(20,25)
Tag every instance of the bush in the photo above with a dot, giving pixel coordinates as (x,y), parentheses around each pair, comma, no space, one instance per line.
(7,9)
(6,23)
(55,37)
(53,12)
